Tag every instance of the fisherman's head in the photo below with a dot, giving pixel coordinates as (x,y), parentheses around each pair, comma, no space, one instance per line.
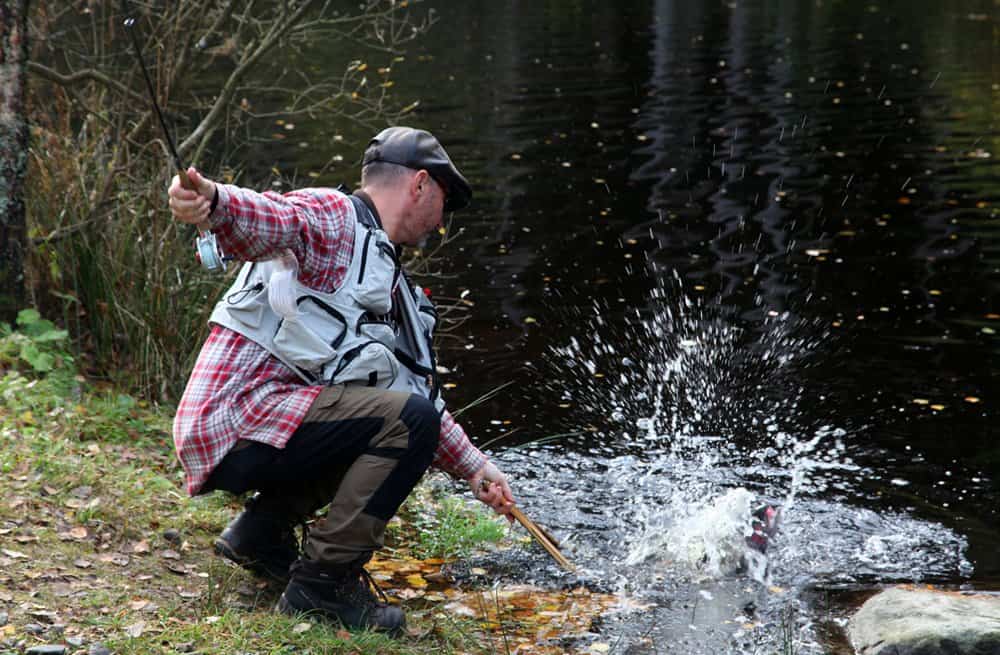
(412,181)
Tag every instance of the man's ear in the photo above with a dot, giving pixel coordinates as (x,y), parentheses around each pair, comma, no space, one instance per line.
(419,183)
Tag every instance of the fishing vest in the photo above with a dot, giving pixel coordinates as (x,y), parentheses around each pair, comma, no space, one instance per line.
(375,330)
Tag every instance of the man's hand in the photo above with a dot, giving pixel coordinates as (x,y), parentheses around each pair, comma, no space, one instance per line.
(490,486)
(191,206)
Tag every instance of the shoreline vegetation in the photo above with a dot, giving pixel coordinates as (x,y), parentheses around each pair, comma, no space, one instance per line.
(101,548)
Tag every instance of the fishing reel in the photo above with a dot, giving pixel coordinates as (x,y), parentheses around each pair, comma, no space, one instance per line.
(209,253)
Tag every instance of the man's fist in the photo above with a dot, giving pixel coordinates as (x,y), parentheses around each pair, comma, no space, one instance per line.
(191,205)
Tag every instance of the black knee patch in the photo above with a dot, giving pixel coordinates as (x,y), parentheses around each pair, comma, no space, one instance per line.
(423,421)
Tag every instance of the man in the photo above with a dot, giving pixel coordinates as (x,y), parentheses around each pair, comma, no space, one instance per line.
(317,384)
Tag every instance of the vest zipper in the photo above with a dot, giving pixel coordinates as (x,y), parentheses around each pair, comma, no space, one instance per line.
(364,257)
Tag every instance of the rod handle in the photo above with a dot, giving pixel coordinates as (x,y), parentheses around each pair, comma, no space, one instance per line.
(188,184)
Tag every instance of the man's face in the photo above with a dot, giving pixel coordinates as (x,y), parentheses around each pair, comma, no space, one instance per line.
(427,214)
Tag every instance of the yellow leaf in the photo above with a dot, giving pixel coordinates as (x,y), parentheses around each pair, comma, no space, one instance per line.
(416,580)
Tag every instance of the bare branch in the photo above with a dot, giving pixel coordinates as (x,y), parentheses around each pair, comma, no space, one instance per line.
(86,74)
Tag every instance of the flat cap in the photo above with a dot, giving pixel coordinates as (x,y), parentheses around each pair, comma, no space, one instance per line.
(418,149)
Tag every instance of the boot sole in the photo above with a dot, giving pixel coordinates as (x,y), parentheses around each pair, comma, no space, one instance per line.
(224,549)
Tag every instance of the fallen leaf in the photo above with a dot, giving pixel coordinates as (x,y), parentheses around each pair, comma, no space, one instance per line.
(78,532)
(301,627)
(140,547)
(136,629)
(416,580)
(13,554)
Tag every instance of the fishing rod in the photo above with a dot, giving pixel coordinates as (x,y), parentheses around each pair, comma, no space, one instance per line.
(209,252)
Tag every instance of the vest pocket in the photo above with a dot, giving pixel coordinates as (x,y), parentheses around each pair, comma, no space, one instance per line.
(378,274)
(369,364)
(309,341)
(247,305)
(375,330)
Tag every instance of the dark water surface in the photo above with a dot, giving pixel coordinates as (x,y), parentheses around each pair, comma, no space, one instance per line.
(802,193)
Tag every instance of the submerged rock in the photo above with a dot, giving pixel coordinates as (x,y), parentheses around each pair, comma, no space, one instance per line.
(907,621)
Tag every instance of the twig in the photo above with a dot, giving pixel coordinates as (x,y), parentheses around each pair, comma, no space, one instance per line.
(541,538)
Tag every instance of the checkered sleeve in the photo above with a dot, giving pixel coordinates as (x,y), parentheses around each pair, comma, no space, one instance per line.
(314,223)
(456,454)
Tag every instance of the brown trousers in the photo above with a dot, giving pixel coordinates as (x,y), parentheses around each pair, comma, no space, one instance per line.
(360,450)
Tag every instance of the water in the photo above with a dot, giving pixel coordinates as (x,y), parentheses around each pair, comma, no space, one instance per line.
(661,511)
(718,247)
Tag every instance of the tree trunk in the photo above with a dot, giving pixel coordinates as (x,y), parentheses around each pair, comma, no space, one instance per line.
(13,153)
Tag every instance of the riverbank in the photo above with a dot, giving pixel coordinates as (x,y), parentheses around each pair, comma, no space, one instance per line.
(102,552)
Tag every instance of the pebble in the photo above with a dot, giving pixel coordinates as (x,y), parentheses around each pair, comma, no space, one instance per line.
(97,648)
(34,628)
(46,650)
(172,536)
(76,642)
(3,619)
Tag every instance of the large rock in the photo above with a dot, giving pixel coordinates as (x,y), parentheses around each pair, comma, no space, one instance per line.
(907,621)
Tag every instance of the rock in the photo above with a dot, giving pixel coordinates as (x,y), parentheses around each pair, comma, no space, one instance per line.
(46,650)
(97,648)
(3,619)
(34,628)
(172,536)
(907,621)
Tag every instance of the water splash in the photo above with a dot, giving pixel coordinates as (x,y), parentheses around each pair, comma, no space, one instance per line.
(701,416)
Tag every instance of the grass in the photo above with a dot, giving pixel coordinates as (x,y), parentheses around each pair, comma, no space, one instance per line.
(452,528)
(92,497)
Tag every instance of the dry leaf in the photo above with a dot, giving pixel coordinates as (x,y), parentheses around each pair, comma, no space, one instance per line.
(136,629)
(301,627)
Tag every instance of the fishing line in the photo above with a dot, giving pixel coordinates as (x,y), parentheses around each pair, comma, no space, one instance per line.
(209,252)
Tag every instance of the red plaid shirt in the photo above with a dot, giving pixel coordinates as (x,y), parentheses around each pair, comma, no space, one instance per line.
(237,389)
